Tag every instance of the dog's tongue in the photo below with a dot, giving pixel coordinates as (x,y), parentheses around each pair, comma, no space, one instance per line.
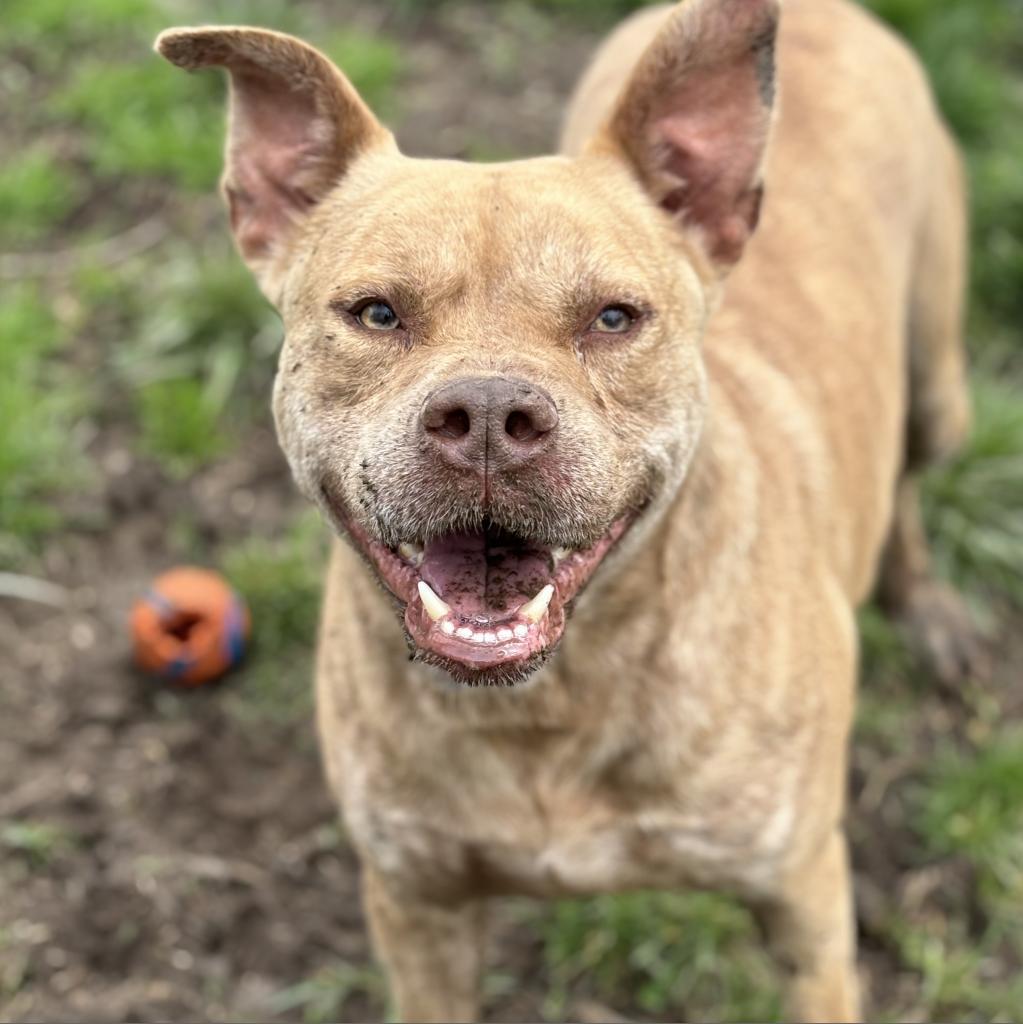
(485,575)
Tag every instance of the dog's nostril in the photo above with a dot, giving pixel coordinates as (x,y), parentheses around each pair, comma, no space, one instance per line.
(455,424)
(520,426)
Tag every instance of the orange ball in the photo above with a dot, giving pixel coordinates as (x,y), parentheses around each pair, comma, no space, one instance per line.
(191,627)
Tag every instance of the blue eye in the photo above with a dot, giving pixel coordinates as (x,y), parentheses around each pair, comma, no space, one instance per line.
(614,320)
(377,316)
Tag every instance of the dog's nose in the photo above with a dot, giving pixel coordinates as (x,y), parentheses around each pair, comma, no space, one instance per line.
(489,423)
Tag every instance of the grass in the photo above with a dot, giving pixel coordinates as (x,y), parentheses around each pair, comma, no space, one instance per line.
(36,193)
(281,580)
(956,980)
(134,122)
(323,997)
(972,50)
(666,951)
(37,842)
(973,504)
(39,407)
(972,806)
(176,347)
(179,424)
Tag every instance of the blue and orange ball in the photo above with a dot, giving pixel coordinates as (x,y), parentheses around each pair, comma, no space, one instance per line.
(190,628)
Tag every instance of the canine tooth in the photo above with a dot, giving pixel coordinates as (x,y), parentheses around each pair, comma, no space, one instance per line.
(536,609)
(411,553)
(464,632)
(521,631)
(448,627)
(434,606)
(504,633)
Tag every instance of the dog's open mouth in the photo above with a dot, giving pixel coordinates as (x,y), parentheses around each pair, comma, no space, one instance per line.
(486,605)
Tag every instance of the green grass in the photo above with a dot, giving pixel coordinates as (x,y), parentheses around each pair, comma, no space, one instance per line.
(136,122)
(36,193)
(38,842)
(957,979)
(662,952)
(974,505)
(39,403)
(179,424)
(281,580)
(202,354)
(973,49)
(323,997)
(972,806)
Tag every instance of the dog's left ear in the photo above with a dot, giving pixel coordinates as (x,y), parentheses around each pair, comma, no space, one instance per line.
(695,116)
(295,127)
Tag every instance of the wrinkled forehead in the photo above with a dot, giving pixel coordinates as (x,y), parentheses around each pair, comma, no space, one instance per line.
(543,228)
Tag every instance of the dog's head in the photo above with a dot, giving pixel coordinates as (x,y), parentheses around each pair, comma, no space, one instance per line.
(492,372)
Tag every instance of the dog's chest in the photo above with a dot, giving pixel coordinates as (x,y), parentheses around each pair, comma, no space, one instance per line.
(573,827)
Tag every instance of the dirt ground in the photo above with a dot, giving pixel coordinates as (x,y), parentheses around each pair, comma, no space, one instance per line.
(194,868)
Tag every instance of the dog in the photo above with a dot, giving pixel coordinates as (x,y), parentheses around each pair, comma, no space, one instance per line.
(614,442)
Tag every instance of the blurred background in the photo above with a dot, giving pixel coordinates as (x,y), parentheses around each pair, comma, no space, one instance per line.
(174,856)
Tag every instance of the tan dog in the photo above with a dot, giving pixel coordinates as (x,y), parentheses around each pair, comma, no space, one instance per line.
(536,388)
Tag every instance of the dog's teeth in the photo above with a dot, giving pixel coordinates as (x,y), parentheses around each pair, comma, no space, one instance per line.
(411,553)
(521,631)
(504,633)
(479,637)
(490,638)
(448,627)
(464,632)
(560,554)
(434,606)
(536,609)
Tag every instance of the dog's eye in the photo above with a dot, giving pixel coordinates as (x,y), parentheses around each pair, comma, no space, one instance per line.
(614,320)
(377,316)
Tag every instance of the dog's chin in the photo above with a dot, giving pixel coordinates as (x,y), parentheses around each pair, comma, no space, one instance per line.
(507,675)
(486,606)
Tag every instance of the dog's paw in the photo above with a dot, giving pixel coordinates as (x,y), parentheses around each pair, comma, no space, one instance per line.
(943,635)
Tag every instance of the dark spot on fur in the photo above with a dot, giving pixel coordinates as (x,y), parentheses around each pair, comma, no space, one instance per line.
(764,52)
(753,204)
(330,337)
(296,367)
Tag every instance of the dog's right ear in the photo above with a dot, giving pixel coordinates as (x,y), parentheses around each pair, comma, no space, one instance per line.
(295,126)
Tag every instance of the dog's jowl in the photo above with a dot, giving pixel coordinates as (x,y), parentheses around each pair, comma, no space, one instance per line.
(614,442)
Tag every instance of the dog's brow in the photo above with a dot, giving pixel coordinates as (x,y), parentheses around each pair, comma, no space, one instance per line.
(413,284)
(586,292)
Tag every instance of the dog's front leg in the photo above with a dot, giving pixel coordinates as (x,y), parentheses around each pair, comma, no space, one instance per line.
(432,952)
(811,930)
